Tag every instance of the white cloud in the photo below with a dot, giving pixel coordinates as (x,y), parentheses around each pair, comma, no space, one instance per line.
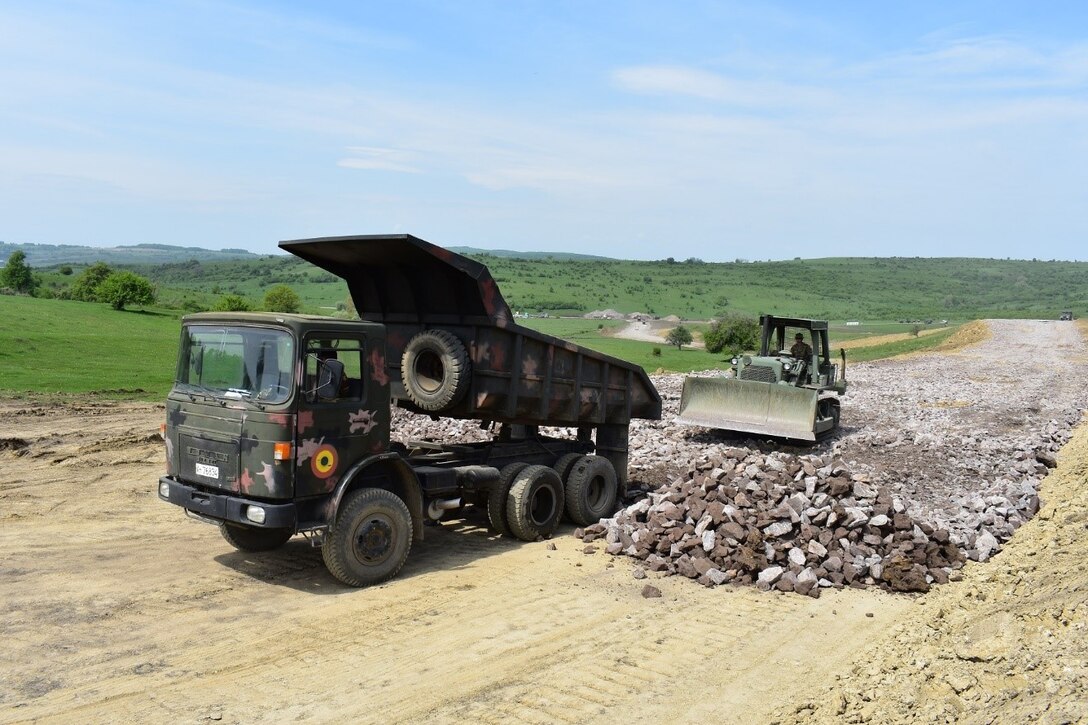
(698,83)
(372,158)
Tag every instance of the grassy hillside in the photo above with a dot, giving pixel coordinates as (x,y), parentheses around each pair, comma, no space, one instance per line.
(836,289)
(53,345)
(60,346)
(44,255)
(863,289)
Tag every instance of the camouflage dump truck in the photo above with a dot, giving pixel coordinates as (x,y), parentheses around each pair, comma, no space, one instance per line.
(280,424)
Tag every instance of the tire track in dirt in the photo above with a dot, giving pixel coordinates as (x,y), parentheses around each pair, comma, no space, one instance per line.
(490,621)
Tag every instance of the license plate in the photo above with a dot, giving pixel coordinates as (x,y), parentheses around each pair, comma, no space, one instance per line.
(207,471)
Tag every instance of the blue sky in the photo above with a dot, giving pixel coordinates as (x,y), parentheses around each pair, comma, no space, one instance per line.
(629,129)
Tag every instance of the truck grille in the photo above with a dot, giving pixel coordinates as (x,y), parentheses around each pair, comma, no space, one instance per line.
(759,373)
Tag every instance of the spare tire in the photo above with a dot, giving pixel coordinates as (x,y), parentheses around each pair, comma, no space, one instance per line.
(435,370)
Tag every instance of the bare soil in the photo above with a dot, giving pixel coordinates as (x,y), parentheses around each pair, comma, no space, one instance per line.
(114,607)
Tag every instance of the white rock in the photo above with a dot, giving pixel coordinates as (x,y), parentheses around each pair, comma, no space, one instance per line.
(770,575)
(985,544)
(778,528)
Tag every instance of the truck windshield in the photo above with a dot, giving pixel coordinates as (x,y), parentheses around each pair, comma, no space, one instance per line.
(252,363)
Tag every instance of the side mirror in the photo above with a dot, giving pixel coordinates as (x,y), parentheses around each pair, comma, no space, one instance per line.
(329,377)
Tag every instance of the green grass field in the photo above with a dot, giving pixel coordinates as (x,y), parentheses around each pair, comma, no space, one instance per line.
(66,347)
(867,290)
(60,346)
(899,347)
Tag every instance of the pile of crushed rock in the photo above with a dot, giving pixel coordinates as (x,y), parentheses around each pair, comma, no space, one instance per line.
(792,523)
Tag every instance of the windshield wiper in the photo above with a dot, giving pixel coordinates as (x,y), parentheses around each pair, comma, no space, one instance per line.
(188,389)
(242,395)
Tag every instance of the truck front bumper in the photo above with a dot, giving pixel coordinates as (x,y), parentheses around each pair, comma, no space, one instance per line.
(223,507)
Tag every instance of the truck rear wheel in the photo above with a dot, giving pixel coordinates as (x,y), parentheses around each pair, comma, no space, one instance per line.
(565,463)
(535,503)
(369,541)
(250,538)
(591,490)
(435,370)
(496,497)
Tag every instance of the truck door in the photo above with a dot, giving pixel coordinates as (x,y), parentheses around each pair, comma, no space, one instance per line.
(339,428)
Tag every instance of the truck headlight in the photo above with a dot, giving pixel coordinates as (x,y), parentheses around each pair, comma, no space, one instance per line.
(164,489)
(786,367)
(255,514)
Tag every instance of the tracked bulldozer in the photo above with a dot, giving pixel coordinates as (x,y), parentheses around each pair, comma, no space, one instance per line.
(782,392)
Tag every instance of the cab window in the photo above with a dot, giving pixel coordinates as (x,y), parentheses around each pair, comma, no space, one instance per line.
(349,351)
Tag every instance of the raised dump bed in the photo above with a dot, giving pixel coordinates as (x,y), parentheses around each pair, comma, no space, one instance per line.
(425,295)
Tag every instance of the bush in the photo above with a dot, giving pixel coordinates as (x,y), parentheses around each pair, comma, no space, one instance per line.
(85,286)
(17,275)
(656,352)
(679,336)
(125,288)
(232,303)
(735,332)
(281,298)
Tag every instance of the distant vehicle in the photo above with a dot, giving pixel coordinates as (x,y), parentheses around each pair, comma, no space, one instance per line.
(1067,315)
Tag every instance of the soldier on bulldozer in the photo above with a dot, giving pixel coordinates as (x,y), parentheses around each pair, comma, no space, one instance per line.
(801,349)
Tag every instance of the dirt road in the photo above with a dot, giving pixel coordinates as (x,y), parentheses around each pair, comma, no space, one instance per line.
(115,607)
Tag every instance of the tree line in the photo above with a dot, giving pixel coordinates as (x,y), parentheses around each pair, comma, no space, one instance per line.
(120,288)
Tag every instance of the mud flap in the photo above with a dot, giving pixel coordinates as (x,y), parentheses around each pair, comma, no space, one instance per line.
(749,407)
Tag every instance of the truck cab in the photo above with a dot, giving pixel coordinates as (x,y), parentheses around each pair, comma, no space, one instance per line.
(267,414)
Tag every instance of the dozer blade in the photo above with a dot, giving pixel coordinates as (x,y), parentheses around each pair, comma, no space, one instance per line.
(750,407)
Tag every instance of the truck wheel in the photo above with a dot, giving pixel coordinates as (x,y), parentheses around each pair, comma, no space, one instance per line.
(535,503)
(370,538)
(564,465)
(435,370)
(250,538)
(496,497)
(591,490)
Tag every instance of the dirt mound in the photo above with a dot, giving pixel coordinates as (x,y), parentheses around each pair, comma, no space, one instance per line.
(603,315)
(1006,644)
